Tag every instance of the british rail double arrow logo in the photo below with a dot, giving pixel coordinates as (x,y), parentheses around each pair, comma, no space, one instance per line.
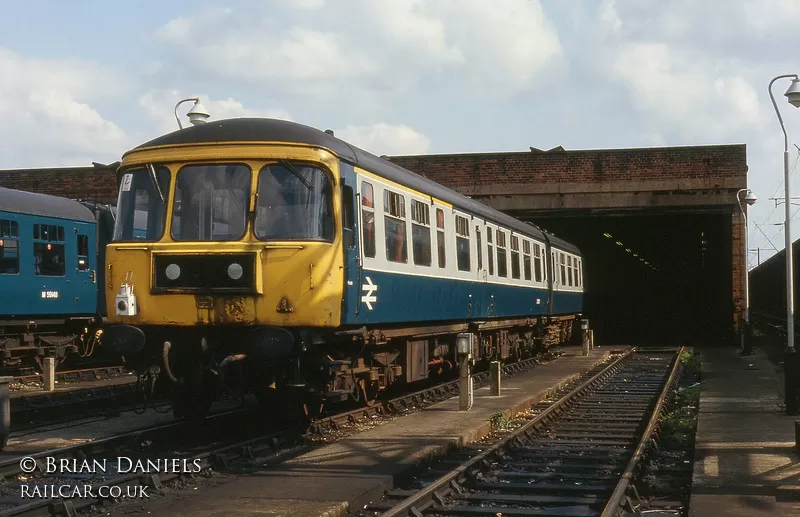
(370,288)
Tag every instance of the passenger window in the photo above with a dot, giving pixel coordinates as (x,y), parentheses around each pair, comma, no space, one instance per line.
(348,225)
(563,269)
(514,257)
(83,252)
(502,265)
(480,249)
(537,263)
(462,243)
(48,253)
(570,272)
(395,225)
(526,259)
(580,272)
(9,247)
(490,250)
(421,233)
(368,219)
(440,241)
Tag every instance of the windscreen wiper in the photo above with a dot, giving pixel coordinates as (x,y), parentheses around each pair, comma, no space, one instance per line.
(155,180)
(288,165)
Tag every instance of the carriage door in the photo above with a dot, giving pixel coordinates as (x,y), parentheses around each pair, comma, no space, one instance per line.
(86,269)
(352,266)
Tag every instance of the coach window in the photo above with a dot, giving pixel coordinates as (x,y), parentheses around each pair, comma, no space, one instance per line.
(462,243)
(526,259)
(83,252)
(537,263)
(580,272)
(421,233)
(562,268)
(490,250)
(48,250)
(514,256)
(502,265)
(440,241)
(394,208)
(9,247)
(480,250)
(570,271)
(368,219)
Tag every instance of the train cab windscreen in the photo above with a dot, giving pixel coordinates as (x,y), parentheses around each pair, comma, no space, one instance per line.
(142,204)
(211,202)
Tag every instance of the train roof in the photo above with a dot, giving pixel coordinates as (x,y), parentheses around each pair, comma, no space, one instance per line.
(272,130)
(31,203)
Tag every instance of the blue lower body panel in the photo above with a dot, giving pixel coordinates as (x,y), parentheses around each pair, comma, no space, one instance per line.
(567,302)
(393,298)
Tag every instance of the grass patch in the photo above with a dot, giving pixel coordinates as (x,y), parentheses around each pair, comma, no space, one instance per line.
(498,420)
(690,359)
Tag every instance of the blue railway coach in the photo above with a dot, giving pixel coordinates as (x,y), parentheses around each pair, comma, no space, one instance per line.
(51,302)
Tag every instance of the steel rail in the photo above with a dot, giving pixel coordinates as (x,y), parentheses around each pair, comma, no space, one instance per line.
(416,503)
(614,504)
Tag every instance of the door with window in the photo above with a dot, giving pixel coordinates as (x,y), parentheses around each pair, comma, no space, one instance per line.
(85,256)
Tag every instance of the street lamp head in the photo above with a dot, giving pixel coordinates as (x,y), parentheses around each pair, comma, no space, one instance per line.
(750,198)
(793,93)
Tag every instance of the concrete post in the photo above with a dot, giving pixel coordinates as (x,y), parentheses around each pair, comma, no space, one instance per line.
(585,336)
(49,374)
(5,411)
(591,340)
(465,384)
(494,373)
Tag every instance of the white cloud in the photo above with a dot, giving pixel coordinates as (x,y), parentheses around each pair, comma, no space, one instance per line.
(305,5)
(705,101)
(329,51)
(289,60)
(49,112)
(386,139)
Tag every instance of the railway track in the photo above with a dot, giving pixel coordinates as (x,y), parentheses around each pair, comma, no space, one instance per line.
(235,440)
(576,457)
(107,392)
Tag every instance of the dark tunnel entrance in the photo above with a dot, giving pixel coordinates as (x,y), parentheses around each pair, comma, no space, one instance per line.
(654,279)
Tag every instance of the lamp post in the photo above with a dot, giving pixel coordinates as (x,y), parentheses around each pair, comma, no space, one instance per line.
(790,355)
(197,115)
(750,199)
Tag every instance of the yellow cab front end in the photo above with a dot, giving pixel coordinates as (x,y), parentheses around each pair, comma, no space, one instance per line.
(219,201)
(223,251)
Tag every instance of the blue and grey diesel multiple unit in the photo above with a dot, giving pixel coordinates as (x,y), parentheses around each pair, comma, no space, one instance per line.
(314,266)
(51,284)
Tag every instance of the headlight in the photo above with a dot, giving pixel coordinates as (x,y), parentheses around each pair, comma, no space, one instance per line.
(173,271)
(235,271)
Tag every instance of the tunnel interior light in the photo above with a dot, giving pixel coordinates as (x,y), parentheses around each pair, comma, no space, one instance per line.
(619,243)
(628,250)
(607,235)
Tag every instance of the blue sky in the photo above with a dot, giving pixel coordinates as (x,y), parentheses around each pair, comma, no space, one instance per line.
(83,81)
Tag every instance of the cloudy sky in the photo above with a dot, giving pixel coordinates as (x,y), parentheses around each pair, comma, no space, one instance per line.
(83,81)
